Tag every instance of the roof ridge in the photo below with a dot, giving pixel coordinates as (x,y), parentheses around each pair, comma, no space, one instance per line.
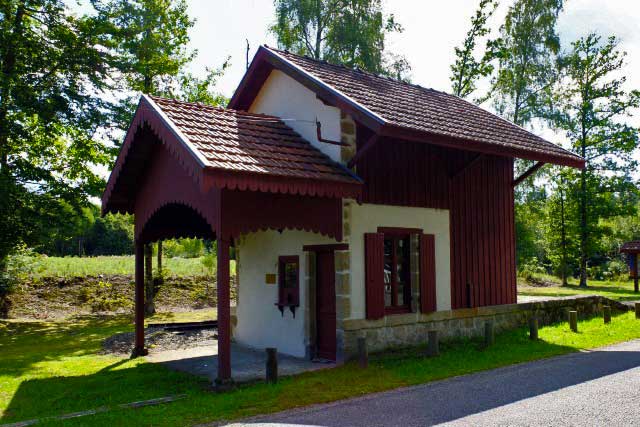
(358,70)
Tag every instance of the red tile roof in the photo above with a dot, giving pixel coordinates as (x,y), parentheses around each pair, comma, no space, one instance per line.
(237,141)
(395,103)
(631,247)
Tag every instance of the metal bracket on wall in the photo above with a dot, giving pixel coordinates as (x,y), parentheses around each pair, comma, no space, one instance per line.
(533,169)
(326,141)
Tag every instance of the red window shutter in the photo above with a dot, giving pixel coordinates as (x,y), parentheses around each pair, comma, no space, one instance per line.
(374,274)
(427,273)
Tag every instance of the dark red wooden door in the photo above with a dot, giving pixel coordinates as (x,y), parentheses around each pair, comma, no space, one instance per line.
(325,306)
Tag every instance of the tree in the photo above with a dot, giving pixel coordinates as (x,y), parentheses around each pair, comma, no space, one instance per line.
(52,68)
(349,32)
(147,39)
(190,88)
(559,223)
(521,87)
(592,104)
(526,52)
(467,69)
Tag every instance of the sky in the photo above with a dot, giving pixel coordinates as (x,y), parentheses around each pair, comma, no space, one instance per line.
(431,31)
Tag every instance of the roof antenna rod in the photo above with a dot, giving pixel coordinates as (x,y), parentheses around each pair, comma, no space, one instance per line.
(247,55)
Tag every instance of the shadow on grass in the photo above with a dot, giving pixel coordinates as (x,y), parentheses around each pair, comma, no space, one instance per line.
(24,344)
(112,385)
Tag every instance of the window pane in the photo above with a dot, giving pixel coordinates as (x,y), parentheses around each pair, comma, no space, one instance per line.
(388,268)
(290,275)
(403,271)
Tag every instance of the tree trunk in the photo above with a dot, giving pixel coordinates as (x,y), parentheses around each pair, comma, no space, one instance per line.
(583,227)
(563,231)
(149,288)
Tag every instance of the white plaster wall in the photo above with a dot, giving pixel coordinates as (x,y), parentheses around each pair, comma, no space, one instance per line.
(284,97)
(366,218)
(260,323)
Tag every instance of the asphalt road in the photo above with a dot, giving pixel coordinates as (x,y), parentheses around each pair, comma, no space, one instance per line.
(597,388)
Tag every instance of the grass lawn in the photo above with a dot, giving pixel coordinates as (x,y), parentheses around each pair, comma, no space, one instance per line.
(617,290)
(42,266)
(199,315)
(52,368)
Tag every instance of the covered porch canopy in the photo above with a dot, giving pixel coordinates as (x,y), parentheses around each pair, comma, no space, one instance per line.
(191,170)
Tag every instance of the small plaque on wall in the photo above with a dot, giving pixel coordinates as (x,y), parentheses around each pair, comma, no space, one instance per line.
(270,279)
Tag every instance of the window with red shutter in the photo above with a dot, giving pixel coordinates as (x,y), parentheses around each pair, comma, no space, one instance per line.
(397,270)
(427,273)
(374,274)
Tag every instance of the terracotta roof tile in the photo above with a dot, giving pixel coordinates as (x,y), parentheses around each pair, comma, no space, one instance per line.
(427,110)
(239,141)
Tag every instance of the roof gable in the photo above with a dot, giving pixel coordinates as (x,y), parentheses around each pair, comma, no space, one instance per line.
(230,149)
(392,107)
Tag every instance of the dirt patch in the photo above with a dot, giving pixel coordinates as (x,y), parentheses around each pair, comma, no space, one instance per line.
(60,297)
(157,339)
(541,283)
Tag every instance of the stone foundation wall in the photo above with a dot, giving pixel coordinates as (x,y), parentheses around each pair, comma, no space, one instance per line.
(411,329)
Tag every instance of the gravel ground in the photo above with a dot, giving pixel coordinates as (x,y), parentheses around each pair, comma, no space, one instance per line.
(157,340)
(596,388)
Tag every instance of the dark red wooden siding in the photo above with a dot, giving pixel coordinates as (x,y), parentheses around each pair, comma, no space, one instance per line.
(374,274)
(427,273)
(483,234)
(403,173)
(480,203)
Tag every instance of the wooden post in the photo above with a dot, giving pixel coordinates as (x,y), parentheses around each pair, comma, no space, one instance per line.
(363,353)
(160,277)
(573,320)
(148,262)
(224,314)
(635,274)
(606,311)
(272,365)
(638,310)
(433,347)
(149,306)
(489,333)
(139,349)
(533,327)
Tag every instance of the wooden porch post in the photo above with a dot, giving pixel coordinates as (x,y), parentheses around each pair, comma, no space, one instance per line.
(139,349)
(635,274)
(224,313)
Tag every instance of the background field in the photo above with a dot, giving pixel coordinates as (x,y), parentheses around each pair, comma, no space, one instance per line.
(550,286)
(44,266)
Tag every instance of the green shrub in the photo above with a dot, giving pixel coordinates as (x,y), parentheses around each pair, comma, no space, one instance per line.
(16,268)
(530,268)
(103,296)
(184,248)
(618,269)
